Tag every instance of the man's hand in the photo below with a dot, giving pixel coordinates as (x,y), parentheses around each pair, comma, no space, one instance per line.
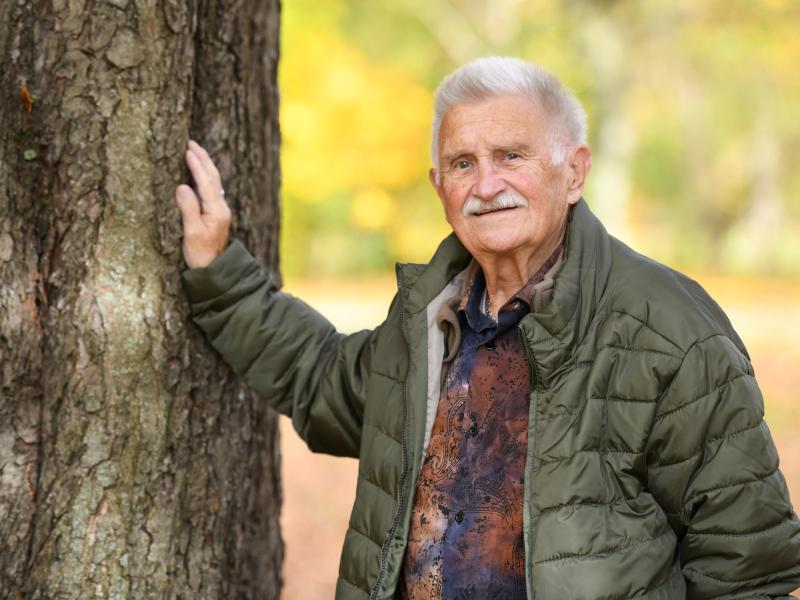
(206,220)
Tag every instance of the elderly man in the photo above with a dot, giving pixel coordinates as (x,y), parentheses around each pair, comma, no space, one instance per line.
(544,413)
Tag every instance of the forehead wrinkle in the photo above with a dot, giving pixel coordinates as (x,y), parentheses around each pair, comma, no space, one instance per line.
(515,135)
(500,123)
(485,125)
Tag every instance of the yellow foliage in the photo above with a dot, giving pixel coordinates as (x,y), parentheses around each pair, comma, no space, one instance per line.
(347,123)
(692,78)
(372,208)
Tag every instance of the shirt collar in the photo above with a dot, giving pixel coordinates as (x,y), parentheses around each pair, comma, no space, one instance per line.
(474,299)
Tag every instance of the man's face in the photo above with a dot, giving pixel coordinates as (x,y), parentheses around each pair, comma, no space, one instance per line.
(495,153)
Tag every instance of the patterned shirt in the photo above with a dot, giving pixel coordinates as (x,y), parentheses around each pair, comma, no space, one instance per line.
(466,535)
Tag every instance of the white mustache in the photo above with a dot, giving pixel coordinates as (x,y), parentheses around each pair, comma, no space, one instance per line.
(507,199)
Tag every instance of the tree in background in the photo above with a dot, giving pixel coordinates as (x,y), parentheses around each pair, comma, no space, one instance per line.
(693,120)
(132,463)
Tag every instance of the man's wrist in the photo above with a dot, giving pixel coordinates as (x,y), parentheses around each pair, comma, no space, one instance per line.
(220,275)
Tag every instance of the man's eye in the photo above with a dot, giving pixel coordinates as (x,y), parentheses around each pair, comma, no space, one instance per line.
(512,156)
(462,164)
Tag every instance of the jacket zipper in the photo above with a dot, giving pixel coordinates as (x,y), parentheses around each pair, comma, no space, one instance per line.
(533,372)
(404,468)
(534,380)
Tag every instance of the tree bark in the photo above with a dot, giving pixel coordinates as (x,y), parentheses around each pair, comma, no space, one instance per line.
(132,463)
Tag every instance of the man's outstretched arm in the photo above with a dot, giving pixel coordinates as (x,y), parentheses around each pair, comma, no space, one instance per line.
(286,351)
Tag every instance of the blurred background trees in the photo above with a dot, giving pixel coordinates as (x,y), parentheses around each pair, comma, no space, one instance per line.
(693,106)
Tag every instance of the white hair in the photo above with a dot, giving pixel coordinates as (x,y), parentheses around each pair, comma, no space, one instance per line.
(493,76)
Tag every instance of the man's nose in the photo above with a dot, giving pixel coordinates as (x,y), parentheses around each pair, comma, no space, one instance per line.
(489,183)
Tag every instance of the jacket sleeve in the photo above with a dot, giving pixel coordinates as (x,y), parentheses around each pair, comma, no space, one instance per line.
(286,351)
(713,466)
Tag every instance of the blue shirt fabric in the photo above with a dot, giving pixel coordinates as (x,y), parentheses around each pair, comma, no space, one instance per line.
(466,534)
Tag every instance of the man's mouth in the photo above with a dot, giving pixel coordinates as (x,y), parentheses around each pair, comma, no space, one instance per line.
(494,210)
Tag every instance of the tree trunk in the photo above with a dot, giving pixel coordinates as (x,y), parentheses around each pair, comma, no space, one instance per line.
(132,463)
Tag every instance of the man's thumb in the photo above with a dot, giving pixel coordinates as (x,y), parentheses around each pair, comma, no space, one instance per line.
(188,205)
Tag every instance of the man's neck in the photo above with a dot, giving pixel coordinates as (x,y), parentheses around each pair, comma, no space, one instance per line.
(505,274)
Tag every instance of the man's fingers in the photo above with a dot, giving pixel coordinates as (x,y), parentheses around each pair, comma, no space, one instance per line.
(205,187)
(206,161)
(206,217)
(208,183)
(204,236)
(189,206)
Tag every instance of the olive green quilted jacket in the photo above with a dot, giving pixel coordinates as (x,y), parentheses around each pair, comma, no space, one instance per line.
(650,472)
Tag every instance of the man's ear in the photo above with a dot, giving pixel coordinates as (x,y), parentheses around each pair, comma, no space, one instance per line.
(578,167)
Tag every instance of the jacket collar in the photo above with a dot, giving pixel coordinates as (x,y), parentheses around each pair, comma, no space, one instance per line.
(561,322)
(559,325)
(420,284)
